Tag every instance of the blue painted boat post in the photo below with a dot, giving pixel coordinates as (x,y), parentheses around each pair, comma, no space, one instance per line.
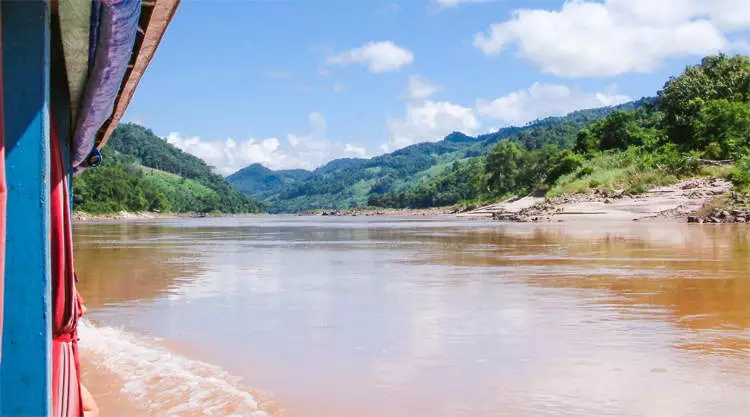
(25,372)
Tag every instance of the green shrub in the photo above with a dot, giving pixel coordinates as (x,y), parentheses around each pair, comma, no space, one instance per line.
(568,163)
(740,174)
(686,99)
(636,189)
(722,129)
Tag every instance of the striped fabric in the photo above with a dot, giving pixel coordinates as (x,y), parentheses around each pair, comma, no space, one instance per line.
(66,303)
(66,395)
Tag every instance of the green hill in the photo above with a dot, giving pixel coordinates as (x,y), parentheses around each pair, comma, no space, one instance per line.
(351,182)
(261,182)
(142,172)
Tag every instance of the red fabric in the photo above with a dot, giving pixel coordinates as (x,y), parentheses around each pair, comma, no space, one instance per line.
(66,303)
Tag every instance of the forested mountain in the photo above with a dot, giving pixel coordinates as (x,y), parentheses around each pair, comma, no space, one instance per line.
(703,114)
(261,182)
(142,172)
(349,182)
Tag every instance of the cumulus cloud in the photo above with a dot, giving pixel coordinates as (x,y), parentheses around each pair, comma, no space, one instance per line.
(379,57)
(588,38)
(429,121)
(297,151)
(543,100)
(356,151)
(420,88)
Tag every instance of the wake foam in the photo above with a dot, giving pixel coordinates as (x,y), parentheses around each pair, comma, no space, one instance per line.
(169,384)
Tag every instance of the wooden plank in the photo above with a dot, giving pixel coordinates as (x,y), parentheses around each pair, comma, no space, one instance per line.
(25,372)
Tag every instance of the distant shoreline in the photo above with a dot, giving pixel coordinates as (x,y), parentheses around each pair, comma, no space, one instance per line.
(79,216)
(698,200)
(372,211)
(83,217)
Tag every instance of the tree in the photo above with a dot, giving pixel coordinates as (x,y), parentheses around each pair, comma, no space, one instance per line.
(504,165)
(617,131)
(586,142)
(723,129)
(683,98)
(568,163)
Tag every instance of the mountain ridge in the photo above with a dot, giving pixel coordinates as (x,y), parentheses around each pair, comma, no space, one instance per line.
(349,182)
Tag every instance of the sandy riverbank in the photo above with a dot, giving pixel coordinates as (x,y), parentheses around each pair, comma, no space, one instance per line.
(80,216)
(694,199)
(125,215)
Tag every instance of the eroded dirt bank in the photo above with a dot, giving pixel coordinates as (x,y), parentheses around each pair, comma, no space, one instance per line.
(689,199)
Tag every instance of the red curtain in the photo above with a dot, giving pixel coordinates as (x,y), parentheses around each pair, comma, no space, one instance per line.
(66,303)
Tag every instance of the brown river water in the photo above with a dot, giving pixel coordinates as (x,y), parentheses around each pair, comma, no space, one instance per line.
(415,317)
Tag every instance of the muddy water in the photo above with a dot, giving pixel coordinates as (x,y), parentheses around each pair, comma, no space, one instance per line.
(373,317)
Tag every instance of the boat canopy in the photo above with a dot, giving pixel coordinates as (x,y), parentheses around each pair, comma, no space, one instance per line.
(107,46)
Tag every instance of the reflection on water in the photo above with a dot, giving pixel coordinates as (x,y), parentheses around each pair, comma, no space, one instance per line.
(128,262)
(404,317)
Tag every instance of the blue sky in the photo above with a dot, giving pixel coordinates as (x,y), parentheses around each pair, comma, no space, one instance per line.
(297,83)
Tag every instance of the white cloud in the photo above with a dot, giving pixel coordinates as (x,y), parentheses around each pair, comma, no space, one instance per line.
(297,151)
(420,88)
(379,57)
(455,3)
(429,121)
(587,38)
(543,100)
(357,151)
(338,88)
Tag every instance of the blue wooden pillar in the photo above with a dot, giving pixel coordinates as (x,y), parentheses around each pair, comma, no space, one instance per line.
(25,371)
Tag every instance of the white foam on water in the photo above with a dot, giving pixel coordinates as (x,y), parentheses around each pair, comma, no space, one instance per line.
(170,384)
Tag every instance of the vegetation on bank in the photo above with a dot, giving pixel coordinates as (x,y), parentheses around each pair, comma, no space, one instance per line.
(142,172)
(699,117)
(740,175)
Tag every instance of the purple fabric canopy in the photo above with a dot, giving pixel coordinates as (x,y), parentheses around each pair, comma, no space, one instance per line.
(94,38)
(115,37)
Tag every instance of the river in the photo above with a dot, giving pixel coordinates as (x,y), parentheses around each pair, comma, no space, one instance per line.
(415,317)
